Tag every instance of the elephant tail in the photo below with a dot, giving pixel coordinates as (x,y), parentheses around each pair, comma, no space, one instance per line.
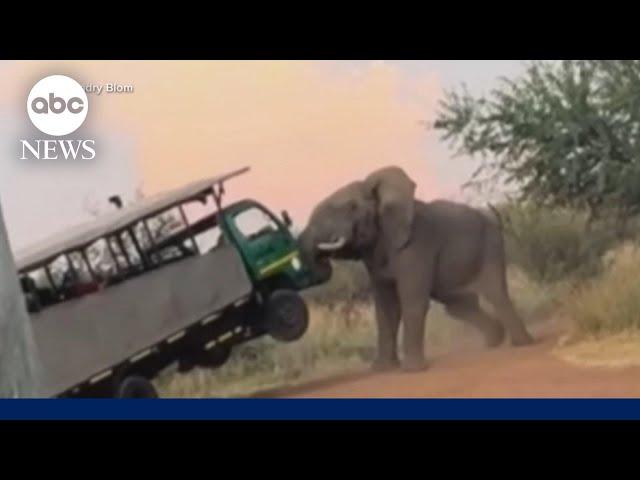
(496,214)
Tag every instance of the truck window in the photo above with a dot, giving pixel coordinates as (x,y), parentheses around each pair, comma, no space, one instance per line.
(170,242)
(199,209)
(65,278)
(143,235)
(254,222)
(61,272)
(164,225)
(37,290)
(118,253)
(209,239)
(80,267)
(204,230)
(102,262)
(131,250)
(80,280)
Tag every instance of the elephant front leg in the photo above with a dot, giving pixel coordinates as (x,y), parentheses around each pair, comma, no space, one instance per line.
(414,293)
(413,327)
(388,320)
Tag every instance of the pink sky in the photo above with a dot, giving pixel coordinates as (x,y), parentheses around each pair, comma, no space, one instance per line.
(305,128)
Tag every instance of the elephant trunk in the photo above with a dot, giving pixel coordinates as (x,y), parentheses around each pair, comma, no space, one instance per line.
(319,264)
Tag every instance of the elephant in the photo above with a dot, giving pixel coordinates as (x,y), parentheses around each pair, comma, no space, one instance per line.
(415,252)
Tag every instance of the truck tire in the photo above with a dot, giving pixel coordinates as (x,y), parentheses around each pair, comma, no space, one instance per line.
(136,387)
(286,315)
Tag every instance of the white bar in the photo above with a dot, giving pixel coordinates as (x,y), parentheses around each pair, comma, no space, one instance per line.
(211,318)
(176,337)
(140,355)
(224,337)
(99,377)
(242,301)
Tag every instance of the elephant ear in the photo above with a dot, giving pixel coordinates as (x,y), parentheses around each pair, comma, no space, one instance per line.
(394,194)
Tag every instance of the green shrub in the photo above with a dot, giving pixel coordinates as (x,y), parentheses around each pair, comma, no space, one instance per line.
(553,244)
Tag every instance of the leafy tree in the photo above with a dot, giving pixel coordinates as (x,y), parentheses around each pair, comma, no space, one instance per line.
(565,133)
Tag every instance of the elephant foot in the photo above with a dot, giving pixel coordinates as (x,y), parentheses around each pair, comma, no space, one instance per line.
(494,337)
(385,364)
(522,340)
(410,365)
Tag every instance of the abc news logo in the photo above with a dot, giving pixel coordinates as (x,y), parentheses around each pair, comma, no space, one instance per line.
(57,105)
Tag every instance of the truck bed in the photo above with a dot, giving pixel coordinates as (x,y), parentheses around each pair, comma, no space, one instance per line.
(81,338)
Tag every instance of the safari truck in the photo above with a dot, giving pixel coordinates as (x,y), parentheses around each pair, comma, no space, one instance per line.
(172,279)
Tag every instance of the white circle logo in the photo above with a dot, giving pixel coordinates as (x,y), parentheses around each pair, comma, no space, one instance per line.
(57,105)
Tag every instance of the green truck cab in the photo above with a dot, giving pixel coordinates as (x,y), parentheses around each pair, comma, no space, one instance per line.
(268,249)
(272,260)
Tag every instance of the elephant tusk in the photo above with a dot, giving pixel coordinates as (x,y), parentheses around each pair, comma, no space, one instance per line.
(332,246)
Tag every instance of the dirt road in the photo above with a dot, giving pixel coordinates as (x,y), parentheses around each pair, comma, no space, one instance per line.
(532,372)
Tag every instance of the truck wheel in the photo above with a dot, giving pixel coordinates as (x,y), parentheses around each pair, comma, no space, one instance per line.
(286,315)
(215,357)
(136,387)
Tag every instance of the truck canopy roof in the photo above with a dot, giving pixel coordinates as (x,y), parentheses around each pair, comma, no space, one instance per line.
(84,234)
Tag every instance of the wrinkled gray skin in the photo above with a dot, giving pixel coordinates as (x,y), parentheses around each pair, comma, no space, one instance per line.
(414,252)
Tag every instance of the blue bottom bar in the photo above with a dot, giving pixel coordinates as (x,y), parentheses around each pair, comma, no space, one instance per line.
(322,409)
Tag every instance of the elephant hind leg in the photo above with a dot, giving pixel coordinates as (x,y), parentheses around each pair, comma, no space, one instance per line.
(466,307)
(494,289)
(492,285)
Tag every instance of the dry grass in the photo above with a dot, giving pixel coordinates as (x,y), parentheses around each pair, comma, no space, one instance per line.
(610,303)
(533,300)
(604,314)
(341,339)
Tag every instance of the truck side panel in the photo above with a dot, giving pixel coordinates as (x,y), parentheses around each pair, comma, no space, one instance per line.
(80,338)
